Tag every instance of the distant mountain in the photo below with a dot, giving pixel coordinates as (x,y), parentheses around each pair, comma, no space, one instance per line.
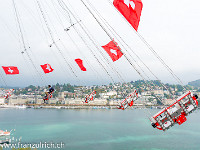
(195,83)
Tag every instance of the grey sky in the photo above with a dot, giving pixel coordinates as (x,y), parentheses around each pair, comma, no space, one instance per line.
(170,27)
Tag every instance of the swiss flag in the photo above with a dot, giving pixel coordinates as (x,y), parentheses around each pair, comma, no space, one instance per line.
(10,70)
(131,10)
(80,64)
(47,68)
(113,50)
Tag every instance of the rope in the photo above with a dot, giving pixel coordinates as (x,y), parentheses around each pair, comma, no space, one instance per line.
(154,52)
(78,33)
(84,28)
(112,30)
(23,40)
(50,46)
(119,49)
(51,35)
(107,24)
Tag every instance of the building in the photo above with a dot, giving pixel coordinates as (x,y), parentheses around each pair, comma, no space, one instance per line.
(108,94)
(168,101)
(2,101)
(115,102)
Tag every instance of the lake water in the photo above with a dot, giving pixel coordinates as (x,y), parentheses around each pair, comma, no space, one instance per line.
(98,129)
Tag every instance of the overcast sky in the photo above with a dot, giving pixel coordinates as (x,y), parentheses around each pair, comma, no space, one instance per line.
(170,27)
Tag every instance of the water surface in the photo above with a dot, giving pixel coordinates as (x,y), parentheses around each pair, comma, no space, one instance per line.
(99,129)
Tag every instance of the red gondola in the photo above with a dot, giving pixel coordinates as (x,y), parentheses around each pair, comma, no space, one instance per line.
(128,101)
(175,113)
(90,97)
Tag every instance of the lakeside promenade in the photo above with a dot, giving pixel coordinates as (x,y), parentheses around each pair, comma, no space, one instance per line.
(74,106)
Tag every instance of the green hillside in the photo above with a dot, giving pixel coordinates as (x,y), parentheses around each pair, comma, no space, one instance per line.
(195,83)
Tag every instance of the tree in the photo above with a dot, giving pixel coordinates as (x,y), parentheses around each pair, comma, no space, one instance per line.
(139,90)
(166,96)
(179,88)
(68,88)
(97,95)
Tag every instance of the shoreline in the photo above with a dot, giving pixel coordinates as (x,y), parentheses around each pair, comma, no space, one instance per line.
(74,106)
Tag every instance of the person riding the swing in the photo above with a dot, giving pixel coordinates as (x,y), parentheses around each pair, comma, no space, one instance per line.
(51,89)
(48,94)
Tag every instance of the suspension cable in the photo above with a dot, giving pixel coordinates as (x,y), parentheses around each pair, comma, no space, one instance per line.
(47,41)
(154,52)
(23,41)
(113,30)
(51,35)
(92,40)
(78,33)
(119,49)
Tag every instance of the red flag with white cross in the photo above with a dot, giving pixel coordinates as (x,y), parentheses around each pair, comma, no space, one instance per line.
(10,70)
(47,68)
(113,50)
(131,10)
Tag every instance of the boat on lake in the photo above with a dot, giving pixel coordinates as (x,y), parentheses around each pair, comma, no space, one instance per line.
(4,133)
